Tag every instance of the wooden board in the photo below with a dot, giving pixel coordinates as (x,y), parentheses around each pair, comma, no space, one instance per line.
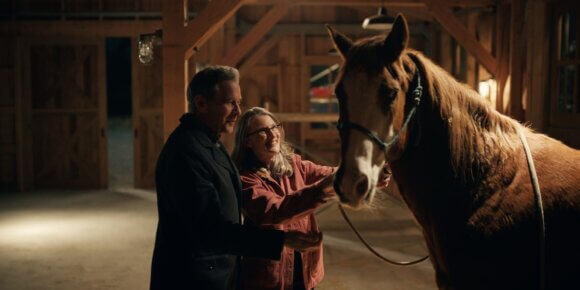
(64,91)
(147,116)
(9,108)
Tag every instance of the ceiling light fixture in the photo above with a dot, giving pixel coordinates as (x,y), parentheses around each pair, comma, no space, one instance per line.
(380,21)
(146,43)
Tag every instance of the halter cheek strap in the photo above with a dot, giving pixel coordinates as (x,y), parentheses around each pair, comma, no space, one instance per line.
(417,93)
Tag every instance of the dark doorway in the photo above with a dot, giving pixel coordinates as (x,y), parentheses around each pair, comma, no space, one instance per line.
(119,112)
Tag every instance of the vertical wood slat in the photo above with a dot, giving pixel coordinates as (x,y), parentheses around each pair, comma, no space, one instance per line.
(503,15)
(136,93)
(19,120)
(517,59)
(102,114)
(471,62)
(538,45)
(10,176)
(147,86)
(27,164)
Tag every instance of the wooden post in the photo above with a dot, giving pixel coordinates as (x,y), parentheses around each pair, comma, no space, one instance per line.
(538,63)
(517,59)
(174,64)
(502,49)
(471,71)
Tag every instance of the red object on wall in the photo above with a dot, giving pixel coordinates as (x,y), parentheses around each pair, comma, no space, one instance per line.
(321,92)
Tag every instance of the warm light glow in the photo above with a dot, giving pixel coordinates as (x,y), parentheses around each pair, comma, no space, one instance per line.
(488,90)
(145,46)
(49,228)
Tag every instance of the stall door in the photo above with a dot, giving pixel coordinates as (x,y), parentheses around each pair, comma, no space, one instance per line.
(147,116)
(65,91)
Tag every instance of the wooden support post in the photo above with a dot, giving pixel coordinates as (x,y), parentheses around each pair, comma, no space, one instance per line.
(538,45)
(471,62)
(502,48)
(249,41)
(517,59)
(448,20)
(174,64)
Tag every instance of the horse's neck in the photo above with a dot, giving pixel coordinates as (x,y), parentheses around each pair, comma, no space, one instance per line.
(425,174)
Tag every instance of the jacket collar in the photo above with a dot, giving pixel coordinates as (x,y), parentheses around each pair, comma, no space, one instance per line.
(206,136)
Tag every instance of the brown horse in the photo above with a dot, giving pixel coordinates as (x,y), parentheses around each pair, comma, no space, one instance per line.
(460,166)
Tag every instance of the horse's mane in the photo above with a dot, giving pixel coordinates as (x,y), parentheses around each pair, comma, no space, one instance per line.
(478,134)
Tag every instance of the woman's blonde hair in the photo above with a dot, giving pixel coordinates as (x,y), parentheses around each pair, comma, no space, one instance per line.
(244,157)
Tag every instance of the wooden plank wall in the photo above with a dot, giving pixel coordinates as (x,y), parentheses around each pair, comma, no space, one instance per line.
(64,91)
(276,72)
(147,116)
(11,169)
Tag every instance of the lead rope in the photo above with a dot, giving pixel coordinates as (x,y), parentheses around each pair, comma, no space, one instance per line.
(539,207)
(371,249)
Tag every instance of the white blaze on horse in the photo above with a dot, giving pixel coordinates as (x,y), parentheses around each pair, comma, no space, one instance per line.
(460,166)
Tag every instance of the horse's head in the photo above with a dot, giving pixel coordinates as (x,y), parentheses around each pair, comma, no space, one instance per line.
(372,90)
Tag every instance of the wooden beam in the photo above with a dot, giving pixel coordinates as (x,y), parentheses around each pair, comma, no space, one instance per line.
(209,20)
(259,30)
(117,28)
(375,3)
(174,65)
(448,20)
(307,117)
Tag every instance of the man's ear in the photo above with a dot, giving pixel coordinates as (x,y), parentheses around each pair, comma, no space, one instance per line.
(200,103)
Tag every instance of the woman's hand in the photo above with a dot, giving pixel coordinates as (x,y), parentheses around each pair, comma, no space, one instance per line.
(384,176)
(326,188)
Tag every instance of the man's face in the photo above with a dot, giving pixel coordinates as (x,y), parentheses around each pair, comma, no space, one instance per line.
(221,113)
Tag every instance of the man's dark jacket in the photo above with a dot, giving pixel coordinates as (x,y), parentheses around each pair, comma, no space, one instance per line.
(199,236)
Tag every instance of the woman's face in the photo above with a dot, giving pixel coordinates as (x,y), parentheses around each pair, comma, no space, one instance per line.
(264,138)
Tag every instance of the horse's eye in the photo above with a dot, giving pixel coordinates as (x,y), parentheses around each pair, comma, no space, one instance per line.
(387,92)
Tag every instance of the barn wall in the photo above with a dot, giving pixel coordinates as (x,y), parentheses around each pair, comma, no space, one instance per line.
(275,73)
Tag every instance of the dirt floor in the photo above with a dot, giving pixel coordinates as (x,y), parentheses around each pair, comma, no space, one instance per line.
(104,239)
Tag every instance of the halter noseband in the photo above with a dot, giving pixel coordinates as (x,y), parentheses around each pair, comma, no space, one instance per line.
(344,126)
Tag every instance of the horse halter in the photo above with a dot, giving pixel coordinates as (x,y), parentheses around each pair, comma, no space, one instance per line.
(344,126)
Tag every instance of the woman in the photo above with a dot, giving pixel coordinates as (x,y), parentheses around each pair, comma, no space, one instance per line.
(280,191)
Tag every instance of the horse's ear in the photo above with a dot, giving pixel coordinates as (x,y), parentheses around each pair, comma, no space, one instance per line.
(341,42)
(396,41)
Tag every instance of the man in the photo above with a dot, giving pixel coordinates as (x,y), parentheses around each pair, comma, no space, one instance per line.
(199,236)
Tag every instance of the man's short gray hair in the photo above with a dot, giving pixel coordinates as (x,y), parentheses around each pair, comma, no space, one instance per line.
(205,83)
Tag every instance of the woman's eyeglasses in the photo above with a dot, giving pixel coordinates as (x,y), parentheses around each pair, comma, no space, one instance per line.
(264,131)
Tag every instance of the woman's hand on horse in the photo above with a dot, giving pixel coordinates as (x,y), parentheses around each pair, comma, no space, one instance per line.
(326,187)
